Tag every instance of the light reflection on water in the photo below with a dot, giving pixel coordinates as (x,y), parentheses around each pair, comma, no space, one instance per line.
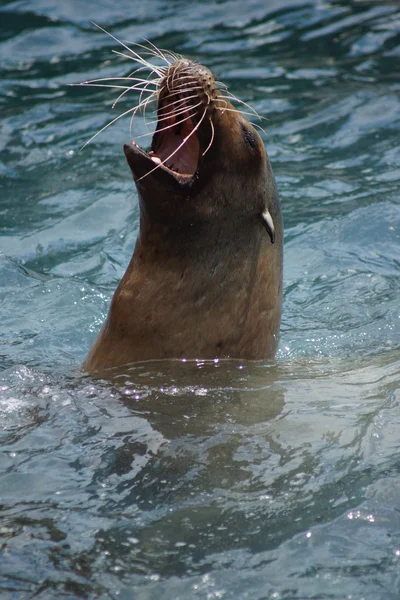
(207,480)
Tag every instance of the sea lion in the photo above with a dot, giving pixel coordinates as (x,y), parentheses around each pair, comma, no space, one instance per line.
(205,278)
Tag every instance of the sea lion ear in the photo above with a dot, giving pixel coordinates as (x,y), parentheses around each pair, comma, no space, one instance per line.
(269,225)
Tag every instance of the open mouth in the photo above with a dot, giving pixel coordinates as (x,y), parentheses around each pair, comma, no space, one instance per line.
(175,147)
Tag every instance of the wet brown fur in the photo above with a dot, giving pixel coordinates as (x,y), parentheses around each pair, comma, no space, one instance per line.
(204,280)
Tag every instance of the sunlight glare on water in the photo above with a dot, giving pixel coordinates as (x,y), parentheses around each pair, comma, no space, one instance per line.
(205,479)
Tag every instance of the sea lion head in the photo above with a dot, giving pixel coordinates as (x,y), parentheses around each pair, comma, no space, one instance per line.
(205,158)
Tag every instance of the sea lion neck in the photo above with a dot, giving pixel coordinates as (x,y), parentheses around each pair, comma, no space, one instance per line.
(194,233)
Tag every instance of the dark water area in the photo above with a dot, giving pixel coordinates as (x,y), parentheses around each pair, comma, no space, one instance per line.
(209,480)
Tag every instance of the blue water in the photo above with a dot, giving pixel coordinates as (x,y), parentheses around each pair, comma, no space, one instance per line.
(231,480)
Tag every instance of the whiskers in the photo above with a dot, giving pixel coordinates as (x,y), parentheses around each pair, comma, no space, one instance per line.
(155,77)
(146,87)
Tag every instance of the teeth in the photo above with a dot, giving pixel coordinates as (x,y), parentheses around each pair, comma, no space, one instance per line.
(156,160)
(269,224)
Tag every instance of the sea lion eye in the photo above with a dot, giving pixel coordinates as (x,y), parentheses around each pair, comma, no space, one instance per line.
(249,138)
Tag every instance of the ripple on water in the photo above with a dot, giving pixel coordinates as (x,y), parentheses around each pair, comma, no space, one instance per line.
(206,480)
(152,480)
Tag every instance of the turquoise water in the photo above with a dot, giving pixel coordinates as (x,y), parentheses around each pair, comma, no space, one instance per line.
(231,480)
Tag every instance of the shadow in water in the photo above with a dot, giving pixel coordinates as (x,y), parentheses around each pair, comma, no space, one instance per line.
(213,419)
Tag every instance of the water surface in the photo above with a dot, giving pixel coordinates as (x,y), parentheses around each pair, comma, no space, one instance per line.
(201,480)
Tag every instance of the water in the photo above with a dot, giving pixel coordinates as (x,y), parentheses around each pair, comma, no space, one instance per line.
(209,480)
